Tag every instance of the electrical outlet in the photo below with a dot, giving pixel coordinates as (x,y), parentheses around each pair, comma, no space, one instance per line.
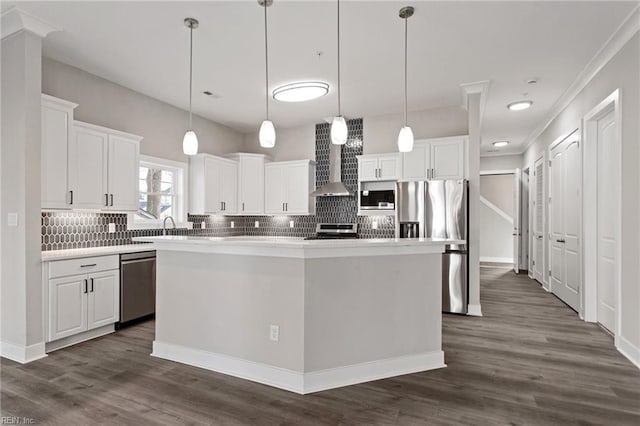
(274,333)
(257,224)
(112,228)
(233,224)
(374,225)
(12,219)
(291,223)
(203,225)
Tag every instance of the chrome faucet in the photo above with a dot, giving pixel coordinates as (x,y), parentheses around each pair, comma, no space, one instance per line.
(164,224)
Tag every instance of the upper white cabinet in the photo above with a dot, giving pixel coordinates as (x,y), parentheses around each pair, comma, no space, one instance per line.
(250,182)
(214,185)
(57,128)
(287,187)
(103,168)
(442,158)
(379,167)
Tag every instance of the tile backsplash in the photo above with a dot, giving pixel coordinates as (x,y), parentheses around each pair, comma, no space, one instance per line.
(68,230)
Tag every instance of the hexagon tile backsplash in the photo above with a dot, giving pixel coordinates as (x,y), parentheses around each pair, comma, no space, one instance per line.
(68,230)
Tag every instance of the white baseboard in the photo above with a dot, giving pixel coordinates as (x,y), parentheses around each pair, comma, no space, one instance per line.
(296,381)
(22,354)
(628,349)
(496,259)
(474,310)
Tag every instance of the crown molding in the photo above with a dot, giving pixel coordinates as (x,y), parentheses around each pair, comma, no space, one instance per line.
(629,27)
(14,20)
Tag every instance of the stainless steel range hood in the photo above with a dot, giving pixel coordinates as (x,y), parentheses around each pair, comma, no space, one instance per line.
(335,187)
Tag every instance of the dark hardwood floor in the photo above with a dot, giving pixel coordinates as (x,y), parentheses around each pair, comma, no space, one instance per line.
(528,361)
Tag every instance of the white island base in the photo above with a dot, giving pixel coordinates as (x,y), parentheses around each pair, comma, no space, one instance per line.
(371,313)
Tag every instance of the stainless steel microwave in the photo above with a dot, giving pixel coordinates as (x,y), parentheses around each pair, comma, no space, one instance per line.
(377,199)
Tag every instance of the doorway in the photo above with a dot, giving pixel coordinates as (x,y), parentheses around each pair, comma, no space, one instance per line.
(498,219)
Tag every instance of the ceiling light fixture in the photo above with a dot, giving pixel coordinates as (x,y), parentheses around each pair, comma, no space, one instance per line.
(339,130)
(267,134)
(520,105)
(300,91)
(499,144)
(405,137)
(190,140)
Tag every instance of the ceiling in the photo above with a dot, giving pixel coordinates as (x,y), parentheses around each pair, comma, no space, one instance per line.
(144,46)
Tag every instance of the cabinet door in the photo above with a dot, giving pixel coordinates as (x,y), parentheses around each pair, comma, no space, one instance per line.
(447,159)
(251,186)
(389,166)
(67,306)
(416,162)
(88,168)
(212,185)
(54,159)
(368,169)
(274,189)
(229,188)
(103,299)
(297,189)
(123,169)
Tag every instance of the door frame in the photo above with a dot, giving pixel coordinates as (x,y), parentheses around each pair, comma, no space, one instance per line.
(590,206)
(525,216)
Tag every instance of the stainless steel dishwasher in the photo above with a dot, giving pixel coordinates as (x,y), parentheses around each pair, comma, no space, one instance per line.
(137,285)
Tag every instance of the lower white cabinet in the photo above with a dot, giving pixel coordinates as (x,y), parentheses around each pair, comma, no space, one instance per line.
(79,302)
(287,187)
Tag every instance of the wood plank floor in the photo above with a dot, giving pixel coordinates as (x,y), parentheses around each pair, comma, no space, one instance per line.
(528,361)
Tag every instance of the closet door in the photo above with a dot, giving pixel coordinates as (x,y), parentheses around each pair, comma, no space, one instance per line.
(538,221)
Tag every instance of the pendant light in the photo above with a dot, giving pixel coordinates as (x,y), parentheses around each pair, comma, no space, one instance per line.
(190,140)
(405,137)
(267,134)
(339,131)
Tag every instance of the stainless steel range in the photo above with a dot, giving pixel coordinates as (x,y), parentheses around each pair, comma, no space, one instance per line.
(335,231)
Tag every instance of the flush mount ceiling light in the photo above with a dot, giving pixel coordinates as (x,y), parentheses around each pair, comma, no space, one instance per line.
(267,134)
(190,140)
(499,144)
(301,91)
(339,130)
(405,137)
(519,105)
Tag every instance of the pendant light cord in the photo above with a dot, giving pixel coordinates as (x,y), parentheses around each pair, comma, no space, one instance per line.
(266,62)
(190,74)
(405,71)
(339,97)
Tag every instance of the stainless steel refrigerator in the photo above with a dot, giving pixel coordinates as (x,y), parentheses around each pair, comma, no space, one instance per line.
(439,209)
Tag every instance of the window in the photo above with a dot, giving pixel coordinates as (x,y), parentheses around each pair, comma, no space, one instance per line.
(162,193)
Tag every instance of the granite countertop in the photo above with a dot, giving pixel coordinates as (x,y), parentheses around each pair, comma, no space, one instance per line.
(52,255)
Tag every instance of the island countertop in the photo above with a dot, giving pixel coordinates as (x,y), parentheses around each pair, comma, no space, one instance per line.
(298,247)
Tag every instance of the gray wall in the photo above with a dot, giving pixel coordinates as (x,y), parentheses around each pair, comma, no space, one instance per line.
(620,73)
(108,104)
(501,162)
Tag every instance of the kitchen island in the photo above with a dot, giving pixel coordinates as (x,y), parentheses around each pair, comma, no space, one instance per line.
(300,315)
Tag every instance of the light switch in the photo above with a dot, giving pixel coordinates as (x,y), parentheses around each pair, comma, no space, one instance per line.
(203,225)
(291,224)
(257,224)
(112,228)
(233,224)
(374,225)
(12,219)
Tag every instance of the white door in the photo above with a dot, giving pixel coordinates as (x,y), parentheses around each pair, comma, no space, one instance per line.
(524,222)
(368,169)
(564,225)
(416,162)
(123,174)
(67,306)
(274,189)
(212,185)
(608,215)
(103,299)
(229,188)
(88,152)
(297,189)
(54,168)
(389,167)
(538,221)
(447,160)
(516,221)
(251,186)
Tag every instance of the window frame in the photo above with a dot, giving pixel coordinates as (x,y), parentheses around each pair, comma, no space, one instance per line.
(181,176)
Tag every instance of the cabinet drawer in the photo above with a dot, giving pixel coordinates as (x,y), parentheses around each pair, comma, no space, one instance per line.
(85,265)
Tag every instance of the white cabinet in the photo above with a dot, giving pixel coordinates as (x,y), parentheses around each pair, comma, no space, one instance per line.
(57,128)
(378,167)
(79,301)
(213,184)
(442,158)
(250,182)
(287,187)
(103,168)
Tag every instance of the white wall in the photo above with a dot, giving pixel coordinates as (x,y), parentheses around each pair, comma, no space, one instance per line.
(380,133)
(621,72)
(501,162)
(108,104)
(496,240)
